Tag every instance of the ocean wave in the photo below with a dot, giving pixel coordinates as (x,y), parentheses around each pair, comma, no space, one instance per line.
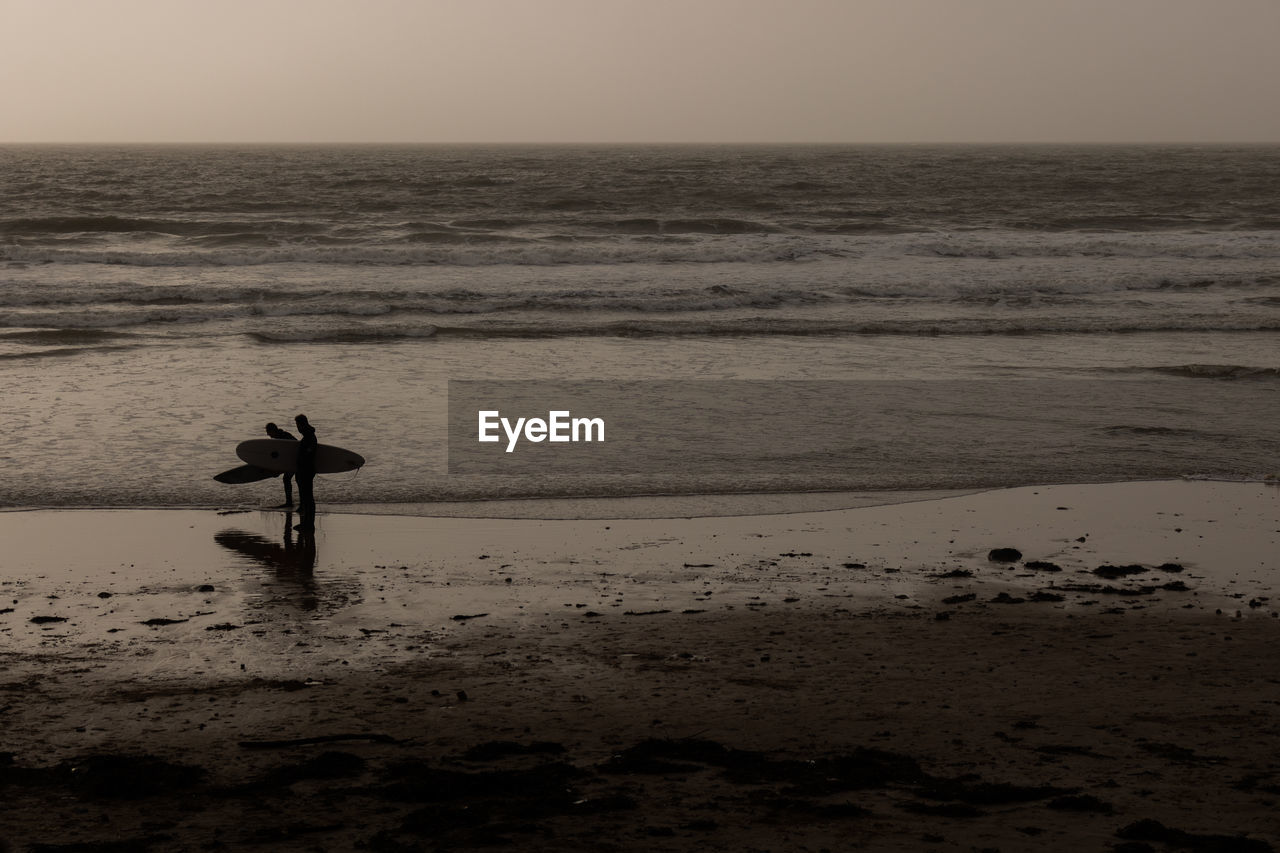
(1219,371)
(66,225)
(1268,478)
(748,327)
(274,300)
(432,249)
(128,293)
(60,352)
(45,337)
(282,299)
(1157,431)
(352,335)
(1000,245)
(516,241)
(988,308)
(717,226)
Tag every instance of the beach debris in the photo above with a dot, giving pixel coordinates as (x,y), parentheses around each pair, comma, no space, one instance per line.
(988,793)
(496,749)
(1081,803)
(1070,749)
(956,573)
(1004,555)
(1154,830)
(159,621)
(1249,782)
(796,554)
(854,565)
(1099,589)
(699,565)
(1172,568)
(312,741)
(954,810)
(645,612)
(128,777)
(479,805)
(224,626)
(1179,754)
(463,617)
(289,685)
(45,620)
(205,587)
(326,765)
(104,595)
(1113,572)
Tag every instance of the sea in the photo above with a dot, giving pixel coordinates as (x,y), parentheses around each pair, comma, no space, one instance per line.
(986,316)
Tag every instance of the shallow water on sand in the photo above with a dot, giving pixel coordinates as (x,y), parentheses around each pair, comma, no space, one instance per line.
(186,594)
(151,425)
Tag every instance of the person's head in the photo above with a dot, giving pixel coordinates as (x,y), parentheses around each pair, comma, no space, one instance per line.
(301,421)
(273,430)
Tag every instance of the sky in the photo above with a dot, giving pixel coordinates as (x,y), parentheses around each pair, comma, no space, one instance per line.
(617,71)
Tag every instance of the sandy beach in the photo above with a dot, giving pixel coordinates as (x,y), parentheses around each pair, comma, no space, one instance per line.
(872,678)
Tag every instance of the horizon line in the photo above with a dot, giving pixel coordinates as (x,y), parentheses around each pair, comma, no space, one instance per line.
(669,143)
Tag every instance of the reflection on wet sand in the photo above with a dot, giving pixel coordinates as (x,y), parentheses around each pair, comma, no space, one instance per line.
(292,561)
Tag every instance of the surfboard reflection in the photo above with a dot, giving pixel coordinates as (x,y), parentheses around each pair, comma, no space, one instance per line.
(292,560)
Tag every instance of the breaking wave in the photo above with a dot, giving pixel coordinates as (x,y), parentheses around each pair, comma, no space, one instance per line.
(592,241)
(1219,371)
(430,249)
(656,328)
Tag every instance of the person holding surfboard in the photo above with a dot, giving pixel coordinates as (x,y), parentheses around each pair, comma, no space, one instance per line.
(306,474)
(275,432)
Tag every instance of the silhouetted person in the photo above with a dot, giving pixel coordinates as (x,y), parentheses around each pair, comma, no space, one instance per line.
(275,432)
(306,474)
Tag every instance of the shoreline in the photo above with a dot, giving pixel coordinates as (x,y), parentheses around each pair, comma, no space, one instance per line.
(865,676)
(647,506)
(652,506)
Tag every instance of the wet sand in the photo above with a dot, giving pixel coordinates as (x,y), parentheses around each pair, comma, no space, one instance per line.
(856,679)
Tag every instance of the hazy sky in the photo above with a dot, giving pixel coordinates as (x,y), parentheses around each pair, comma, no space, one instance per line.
(639,70)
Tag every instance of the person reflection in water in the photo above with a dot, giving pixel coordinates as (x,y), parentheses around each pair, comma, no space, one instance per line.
(300,556)
(292,562)
(275,432)
(306,475)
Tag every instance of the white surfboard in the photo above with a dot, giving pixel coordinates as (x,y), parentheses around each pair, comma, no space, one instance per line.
(245,474)
(281,454)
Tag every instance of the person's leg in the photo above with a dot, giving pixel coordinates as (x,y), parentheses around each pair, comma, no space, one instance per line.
(306,504)
(288,489)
